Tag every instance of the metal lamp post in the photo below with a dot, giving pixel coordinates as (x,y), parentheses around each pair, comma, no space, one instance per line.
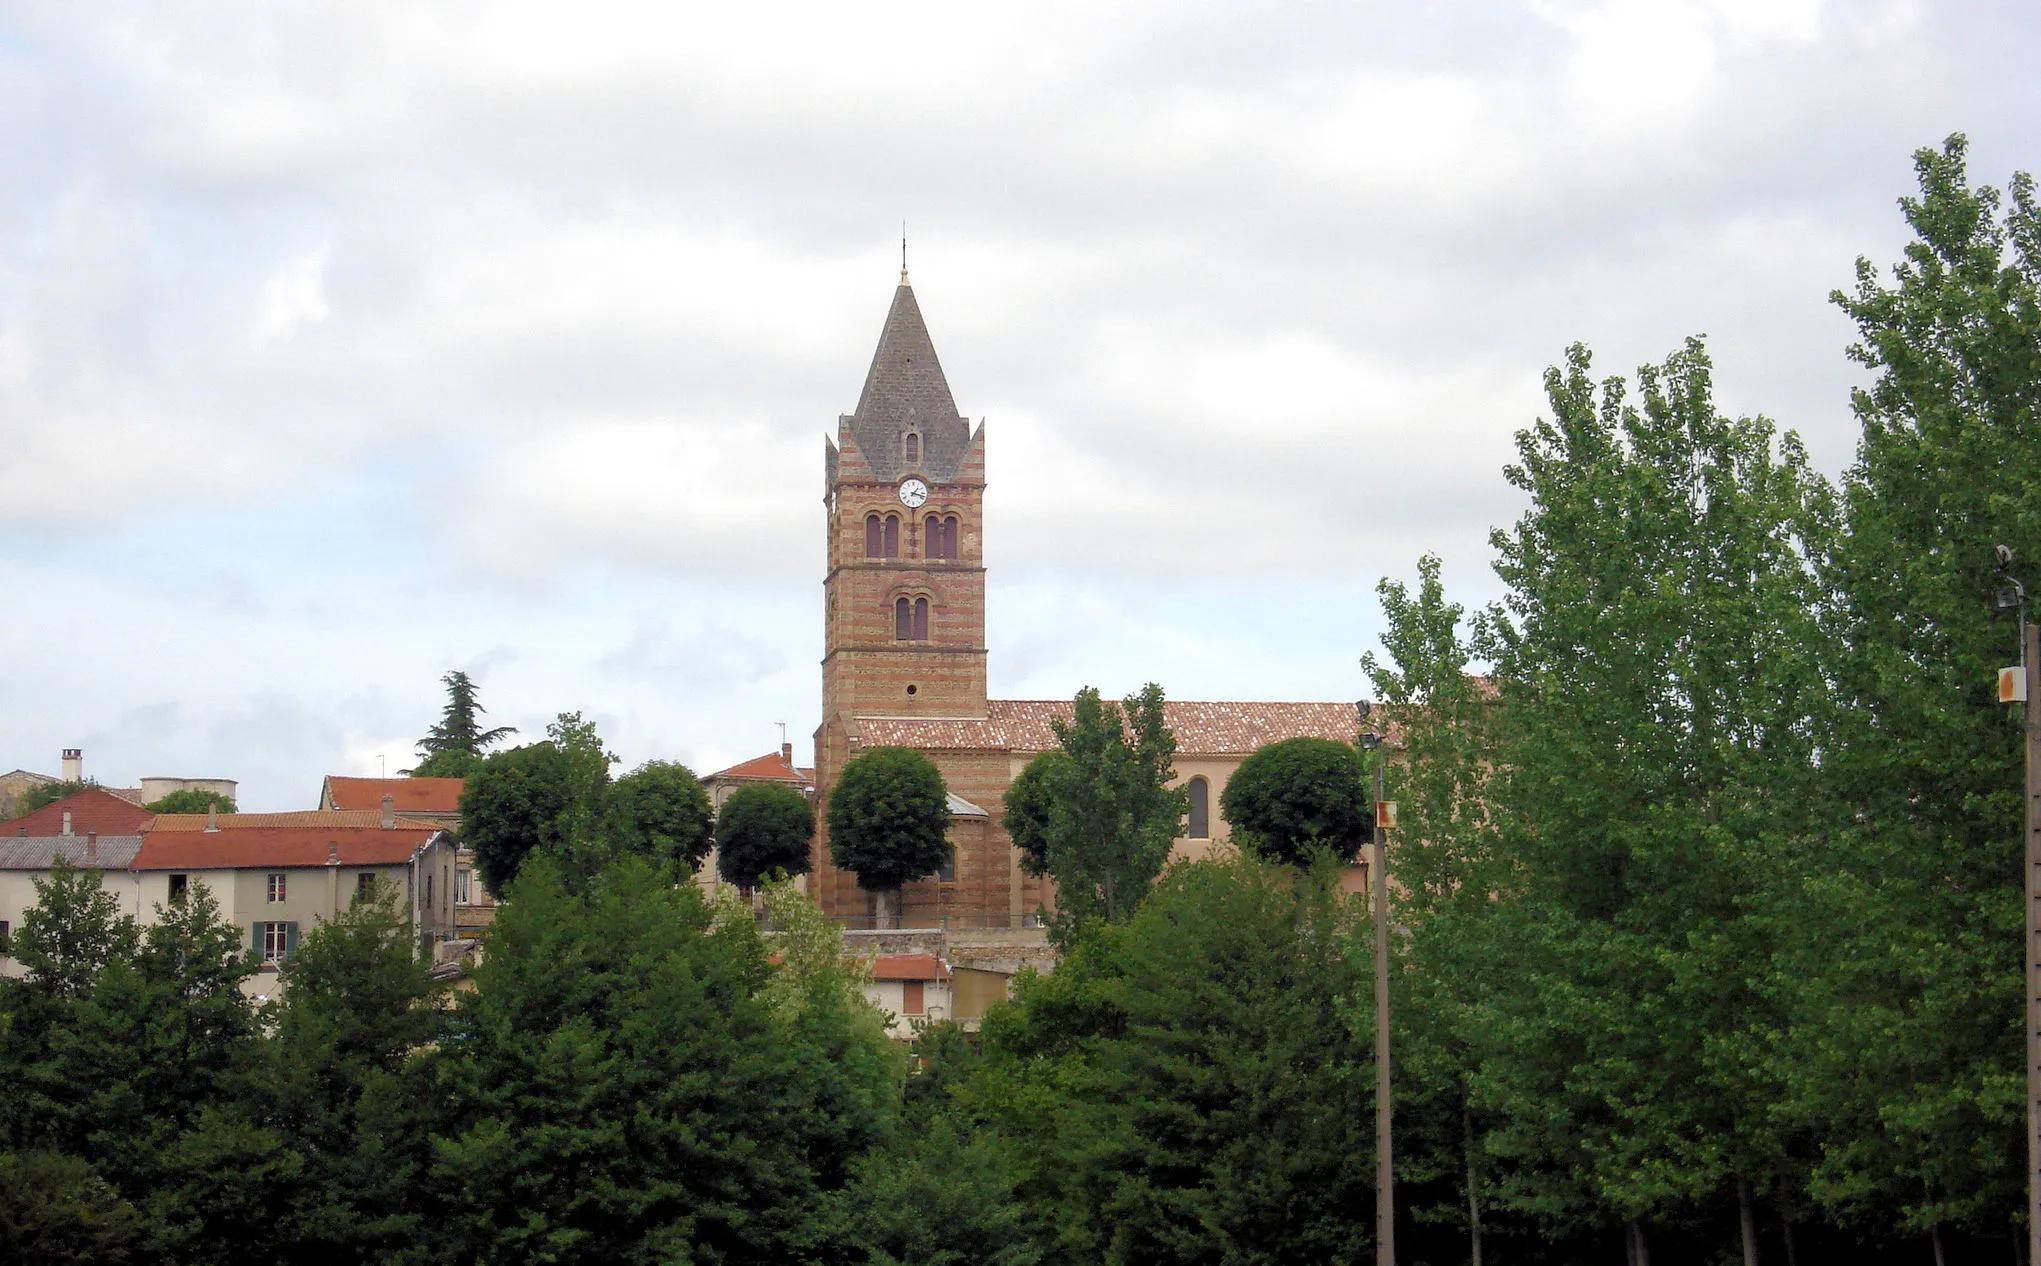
(1378,885)
(2017,685)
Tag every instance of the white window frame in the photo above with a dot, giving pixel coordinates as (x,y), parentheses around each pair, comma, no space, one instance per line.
(276,942)
(279,888)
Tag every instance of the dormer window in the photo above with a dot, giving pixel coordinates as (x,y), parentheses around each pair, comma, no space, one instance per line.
(912,446)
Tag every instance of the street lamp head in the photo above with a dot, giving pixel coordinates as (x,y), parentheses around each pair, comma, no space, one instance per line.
(2004,554)
(1363,709)
(1371,741)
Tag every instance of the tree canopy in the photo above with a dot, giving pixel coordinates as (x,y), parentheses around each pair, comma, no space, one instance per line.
(764,829)
(1297,797)
(660,810)
(889,818)
(459,729)
(1098,813)
(191,800)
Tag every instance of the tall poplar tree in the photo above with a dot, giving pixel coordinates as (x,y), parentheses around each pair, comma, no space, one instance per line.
(1658,660)
(1908,1055)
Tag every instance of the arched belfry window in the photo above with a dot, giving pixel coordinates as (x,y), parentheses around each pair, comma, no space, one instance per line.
(891,547)
(910,619)
(911,445)
(1201,810)
(940,531)
(875,536)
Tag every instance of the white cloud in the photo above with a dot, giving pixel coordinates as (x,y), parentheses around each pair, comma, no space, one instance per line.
(525,320)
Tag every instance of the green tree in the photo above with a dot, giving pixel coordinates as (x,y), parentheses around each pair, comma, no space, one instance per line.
(1908,1052)
(764,829)
(1103,817)
(74,931)
(191,800)
(889,820)
(516,803)
(1295,798)
(454,763)
(1659,662)
(54,1211)
(944,1196)
(630,1086)
(1030,808)
(1187,1085)
(460,724)
(660,810)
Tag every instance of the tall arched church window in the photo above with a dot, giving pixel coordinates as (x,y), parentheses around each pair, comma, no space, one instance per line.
(921,619)
(1201,810)
(892,549)
(875,536)
(913,445)
(903,620)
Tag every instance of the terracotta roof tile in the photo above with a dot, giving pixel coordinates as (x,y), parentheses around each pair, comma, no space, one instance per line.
(412,795)
(279,846)
(908,967)
(1201,727)
(302,819)
(772,767)
(93,809)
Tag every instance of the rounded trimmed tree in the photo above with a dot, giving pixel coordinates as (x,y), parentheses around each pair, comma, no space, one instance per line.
(764,828)
(889,821)
(1296,797)
(660,810)
(515,802)
(1030,806)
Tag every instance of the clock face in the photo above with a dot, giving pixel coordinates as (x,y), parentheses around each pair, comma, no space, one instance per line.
(912,493)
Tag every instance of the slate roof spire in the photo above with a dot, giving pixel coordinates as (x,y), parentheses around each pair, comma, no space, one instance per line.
(905,390)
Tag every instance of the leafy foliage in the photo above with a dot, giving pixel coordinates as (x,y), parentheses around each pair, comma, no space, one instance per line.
(191,800)
(764,829)
(517,802)
(659,810)
(1299,797)
(889,818)
(1099,815)
(460,724)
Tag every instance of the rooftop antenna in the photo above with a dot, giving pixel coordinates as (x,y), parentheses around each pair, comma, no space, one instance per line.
(783,732)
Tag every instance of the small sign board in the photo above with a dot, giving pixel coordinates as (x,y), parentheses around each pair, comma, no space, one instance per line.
(2012,685)
(1385,815)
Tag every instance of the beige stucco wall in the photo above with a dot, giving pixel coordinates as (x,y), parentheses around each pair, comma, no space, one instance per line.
(890,996)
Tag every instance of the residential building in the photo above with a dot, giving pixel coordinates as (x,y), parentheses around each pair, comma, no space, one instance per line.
(27,858)
(275,875)
(427,800)
(95,810)
(905,648)
(910,989)
(14,784)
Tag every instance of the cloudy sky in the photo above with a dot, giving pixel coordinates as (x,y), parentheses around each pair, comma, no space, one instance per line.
(344,344)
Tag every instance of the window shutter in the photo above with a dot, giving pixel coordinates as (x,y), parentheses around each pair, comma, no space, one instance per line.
(255,938)
(290,941)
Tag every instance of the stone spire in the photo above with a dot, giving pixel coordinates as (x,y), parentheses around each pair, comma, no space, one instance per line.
(906,391)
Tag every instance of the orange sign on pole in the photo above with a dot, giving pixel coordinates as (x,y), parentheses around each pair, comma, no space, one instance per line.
(1385,815)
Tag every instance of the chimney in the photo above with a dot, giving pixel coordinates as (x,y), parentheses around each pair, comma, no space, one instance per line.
(389,812)
(67,823)
(74,764)
(787,754)
(92,848)
(212,817)
(332,852)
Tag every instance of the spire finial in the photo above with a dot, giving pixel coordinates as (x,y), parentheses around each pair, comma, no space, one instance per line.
(903,252)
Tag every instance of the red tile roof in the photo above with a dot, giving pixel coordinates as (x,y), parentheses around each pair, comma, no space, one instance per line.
(773,766)
(1201,727)
(909,967)
(279,846)
(412,795)
(301,818)
(93,809)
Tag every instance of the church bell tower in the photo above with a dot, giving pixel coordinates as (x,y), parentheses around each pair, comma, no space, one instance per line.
(904,593)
